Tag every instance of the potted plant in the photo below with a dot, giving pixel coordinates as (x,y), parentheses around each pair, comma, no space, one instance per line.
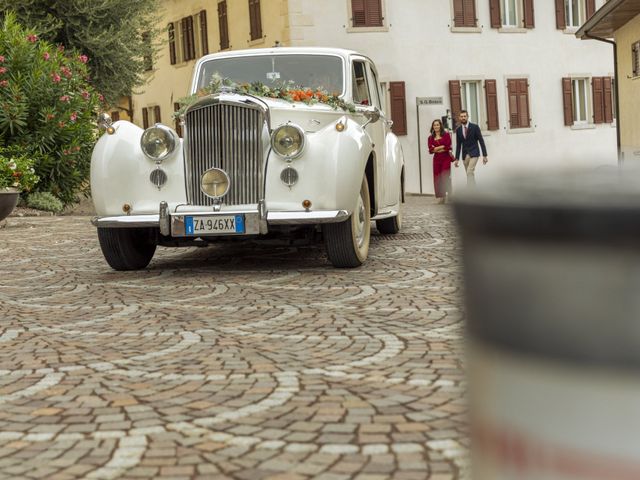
(16,176)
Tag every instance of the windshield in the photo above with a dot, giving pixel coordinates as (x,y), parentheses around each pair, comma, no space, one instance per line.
(305,71)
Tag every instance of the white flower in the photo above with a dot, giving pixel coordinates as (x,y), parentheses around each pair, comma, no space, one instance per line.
(12,165)
(32,170)
(16,184)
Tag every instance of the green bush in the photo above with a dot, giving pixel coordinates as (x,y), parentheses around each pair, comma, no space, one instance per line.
(47,108)
(44,201)
(16,169)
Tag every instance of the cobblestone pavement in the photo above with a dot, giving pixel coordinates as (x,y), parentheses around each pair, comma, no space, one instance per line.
(253,361)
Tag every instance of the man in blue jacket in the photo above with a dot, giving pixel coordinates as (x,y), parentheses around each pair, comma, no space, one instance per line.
(468,136)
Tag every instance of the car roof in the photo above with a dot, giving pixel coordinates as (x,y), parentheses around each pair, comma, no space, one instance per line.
(344,53)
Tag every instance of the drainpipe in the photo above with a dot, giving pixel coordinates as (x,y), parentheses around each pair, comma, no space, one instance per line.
(615,80)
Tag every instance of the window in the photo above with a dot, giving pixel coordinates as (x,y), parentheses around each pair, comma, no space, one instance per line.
(635,59)
(584,105)
(255,21)
(464,13)
(360,85)
(366,13)
(518,101)
(398,108)
(467,95)
(187,42)
(511,13)
(223,25)
(150,116)
(573,13)
(115,115)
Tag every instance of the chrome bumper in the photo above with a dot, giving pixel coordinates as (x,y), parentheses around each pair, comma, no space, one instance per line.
(253,220)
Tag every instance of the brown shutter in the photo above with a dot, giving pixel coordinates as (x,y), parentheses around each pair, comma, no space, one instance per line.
(455,98)
(608,99)
(171,29)
(204,35)
(115,116)
(398,108)
(145,118)
(359,13)
(561,21)
(184,37)
(491,94)
(523,102)
(191,38)
(469,9)
(591,8)
(598,100)
(176,107)
(494,9)
(458,13)
(529,16)
(156,114)
(223,25)
(255,22)
(567,101)
(374,13)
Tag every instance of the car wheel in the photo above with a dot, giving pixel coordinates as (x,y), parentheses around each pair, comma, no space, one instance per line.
(127,248)
(391,225)
(347,242)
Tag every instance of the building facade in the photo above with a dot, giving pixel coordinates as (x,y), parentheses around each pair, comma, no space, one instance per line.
(619,20)
(542,98)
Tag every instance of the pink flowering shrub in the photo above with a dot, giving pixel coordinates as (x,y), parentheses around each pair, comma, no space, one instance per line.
(47,109)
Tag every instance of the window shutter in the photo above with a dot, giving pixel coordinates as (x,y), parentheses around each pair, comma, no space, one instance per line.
(458,13)
(156,114)
(373,13)
(254,19)
(398,108)
(184,37)
(608,99)
(567,101)
(469,8)
(598,100)
(176,107)
(494,8)
(222,23)
(491,94)
(115,116)
(171,29)
(204,35)
(523,102)
(518,93)
(145,118)
(359,13)
(635,59)
(591,8)
(191,39)
(529,16)
(561,21)
(455,98)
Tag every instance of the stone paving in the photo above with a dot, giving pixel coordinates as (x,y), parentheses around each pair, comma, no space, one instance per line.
(241,361)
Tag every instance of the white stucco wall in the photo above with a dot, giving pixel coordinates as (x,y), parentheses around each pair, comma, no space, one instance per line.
(420,49)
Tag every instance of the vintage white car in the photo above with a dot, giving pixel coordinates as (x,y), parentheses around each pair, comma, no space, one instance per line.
(293,139)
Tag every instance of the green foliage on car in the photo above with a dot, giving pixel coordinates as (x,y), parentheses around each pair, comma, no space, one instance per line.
(47,109)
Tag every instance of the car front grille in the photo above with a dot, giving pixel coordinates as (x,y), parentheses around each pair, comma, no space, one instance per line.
(226,136)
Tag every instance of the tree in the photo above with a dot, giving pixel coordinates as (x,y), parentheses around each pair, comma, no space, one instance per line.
(116,35)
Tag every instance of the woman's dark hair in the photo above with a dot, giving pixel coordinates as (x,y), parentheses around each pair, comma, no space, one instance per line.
(433,132)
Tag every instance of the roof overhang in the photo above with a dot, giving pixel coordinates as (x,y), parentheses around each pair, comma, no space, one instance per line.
(609,18)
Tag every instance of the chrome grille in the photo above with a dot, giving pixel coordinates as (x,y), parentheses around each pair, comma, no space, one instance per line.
(226,136)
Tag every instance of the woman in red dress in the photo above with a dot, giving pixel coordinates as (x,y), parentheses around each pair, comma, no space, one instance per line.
(440,147)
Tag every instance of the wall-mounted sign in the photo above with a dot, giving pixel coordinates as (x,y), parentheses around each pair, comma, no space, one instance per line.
(429,100)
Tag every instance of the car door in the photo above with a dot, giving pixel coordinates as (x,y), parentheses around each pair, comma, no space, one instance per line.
(366,96)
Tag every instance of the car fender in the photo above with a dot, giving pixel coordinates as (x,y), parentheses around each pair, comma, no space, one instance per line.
(330,169)
(120,174)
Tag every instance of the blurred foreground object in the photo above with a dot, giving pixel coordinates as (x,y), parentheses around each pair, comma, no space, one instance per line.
(552,274)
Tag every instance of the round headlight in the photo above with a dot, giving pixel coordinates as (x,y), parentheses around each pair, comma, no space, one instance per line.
(288,140)
(158,142)
(214,183)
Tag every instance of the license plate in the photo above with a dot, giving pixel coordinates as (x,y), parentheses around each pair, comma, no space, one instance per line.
(211,225)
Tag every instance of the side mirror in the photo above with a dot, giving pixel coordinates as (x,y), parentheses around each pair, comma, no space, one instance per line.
(372,116)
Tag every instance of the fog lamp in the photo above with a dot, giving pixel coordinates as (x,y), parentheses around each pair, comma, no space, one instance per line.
(289,176)
(214,183)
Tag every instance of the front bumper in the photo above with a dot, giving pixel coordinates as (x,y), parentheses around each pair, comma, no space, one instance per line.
(254,222)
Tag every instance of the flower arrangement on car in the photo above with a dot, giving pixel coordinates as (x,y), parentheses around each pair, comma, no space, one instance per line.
(284,91)
(16,170)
